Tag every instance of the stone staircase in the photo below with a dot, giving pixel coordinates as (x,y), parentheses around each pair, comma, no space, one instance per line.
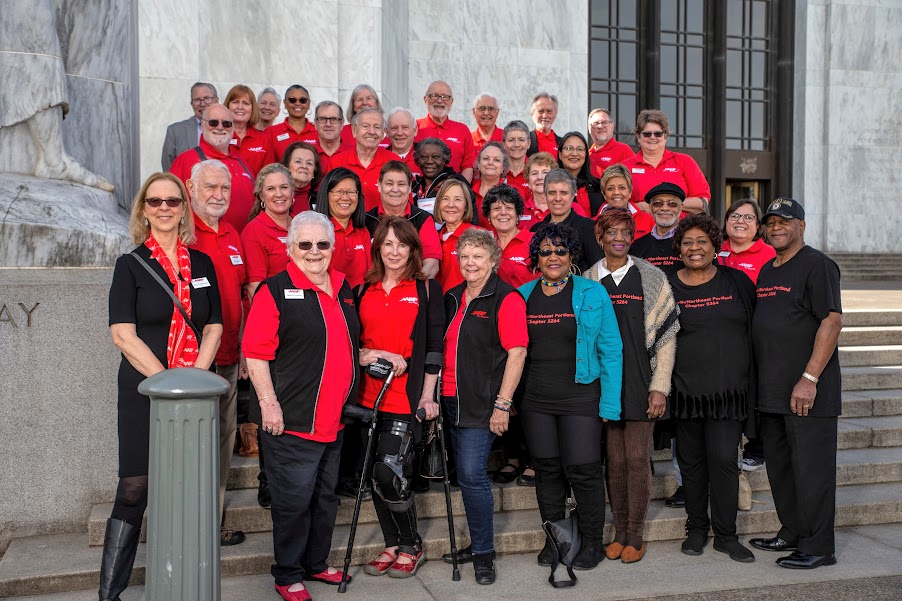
(869,475)
(867,266)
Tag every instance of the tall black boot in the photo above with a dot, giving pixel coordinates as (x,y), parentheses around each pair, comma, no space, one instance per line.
(551,494)
(120,543)
(587,482)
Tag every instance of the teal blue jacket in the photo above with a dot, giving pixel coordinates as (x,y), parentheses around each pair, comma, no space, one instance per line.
(599,350)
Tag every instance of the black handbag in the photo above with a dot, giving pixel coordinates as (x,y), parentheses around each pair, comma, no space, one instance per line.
(566,544)
(175,299)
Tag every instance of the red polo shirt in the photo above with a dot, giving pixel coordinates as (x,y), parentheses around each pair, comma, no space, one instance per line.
(408,160)
(519,182)
(386,324)
(514,267)
(483,221)
(449,274)
(369,175)
(610,154)
(750,261)
(432,246)
(301,201)
(325,159)
(261,340)
(547,142)
(242,197)
(456,135)
(281,136)
(264,248)
(225,249)
(348,140)
(353,254)
(253,148)
(675,167)
(479,141)
(645,223)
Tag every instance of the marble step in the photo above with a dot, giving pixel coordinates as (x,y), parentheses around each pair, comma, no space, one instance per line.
(872,378)
(870,335)
(870,318)
(863,356)
(864,403)
(59,563)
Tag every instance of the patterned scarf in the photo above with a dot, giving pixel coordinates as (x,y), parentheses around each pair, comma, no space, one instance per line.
(181,349)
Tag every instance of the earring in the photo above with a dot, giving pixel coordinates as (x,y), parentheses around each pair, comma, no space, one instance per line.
(262,205)
(146,221)
(182,221)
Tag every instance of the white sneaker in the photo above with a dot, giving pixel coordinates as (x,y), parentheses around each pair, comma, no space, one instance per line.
(750,464)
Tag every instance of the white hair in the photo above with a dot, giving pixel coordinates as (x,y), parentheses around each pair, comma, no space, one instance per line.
(310,218)
(266,91)
(485,95)
(206,165)
(399,110)
(356,116)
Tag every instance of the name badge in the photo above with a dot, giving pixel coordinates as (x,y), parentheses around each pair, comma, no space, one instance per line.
(723,253)
(638,170)
(427,204)
(282,137)
(291,294)
(283,239)
(200,283)
(525,217)
(236,260)
(234,141)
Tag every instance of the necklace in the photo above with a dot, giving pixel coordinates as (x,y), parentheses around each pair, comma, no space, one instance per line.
(557,285)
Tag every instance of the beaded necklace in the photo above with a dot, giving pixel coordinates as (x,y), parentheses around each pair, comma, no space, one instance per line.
(557,285)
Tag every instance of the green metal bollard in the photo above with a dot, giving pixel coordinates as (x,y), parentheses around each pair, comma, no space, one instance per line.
(183,496)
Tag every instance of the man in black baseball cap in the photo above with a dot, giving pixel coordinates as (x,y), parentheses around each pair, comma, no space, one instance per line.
(787,208)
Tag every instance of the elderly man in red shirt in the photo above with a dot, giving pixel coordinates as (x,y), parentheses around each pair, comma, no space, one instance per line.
(402,131)
(605,151)
(542,138)
(455,134)
(485,111)
(216,136)
(328,118)
(210,189)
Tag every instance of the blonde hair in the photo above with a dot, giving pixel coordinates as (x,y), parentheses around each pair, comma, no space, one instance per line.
(138,226)
(258,186)
(444,191)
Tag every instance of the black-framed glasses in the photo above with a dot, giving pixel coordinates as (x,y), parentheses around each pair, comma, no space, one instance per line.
(301,100)
(329,120)
(215,123)
(547,252)
(648,134)
(738,216)
(570,148)
(204,100)
(486,109)
(308,245)
(434,96)
(170,202)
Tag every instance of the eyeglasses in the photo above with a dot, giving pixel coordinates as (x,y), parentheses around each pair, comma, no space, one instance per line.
(673,204)
(486,109)
(297,100)
(738,216)
(434,96)
(547,252)
(215,123)
(329,120)
(648,134)
(170,202)
(569,148)
(204,100)
(604,123)
(308,245)
(344,193)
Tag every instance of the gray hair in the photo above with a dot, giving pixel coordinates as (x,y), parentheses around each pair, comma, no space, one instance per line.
(309,218)
(328,103)
(207,165)
(399,110)
(360,88)
(541,95)
(505,160)
(478,237)
(203,84)
(515,125)
(556,176)
(485,95)
(268,90)
(356,117)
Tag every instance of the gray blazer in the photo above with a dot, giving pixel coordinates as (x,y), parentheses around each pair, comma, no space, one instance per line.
(180,136)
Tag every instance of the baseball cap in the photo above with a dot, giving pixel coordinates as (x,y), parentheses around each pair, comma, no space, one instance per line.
(665,188)
(787,208)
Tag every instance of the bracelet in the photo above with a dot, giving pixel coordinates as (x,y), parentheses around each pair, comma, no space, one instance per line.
(808,376)
(502,408)
(504,398)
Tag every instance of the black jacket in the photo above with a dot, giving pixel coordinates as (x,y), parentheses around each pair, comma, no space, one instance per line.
(585,229)
(534,143)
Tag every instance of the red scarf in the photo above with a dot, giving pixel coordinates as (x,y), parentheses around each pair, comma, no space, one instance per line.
(181,350)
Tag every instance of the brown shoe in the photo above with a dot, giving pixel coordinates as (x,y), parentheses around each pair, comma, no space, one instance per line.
(632,555)
(614,550)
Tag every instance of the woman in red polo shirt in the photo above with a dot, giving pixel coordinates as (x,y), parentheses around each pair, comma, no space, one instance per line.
(267,229)
(302,160)
(455,213)
(248,143)
(296,127)
(516,143)
(402,321)
(491,165)
(617,186)
(574,157)
(340,198)
(745,248)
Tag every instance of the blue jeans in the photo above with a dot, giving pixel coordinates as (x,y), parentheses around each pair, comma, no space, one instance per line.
(472,446)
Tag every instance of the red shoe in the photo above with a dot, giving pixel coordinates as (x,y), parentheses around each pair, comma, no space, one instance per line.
(301,595)
(380,566)
(407,570)
(325,576)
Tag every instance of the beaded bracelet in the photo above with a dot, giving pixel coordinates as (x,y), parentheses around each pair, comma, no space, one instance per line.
(505,399)
(502,408)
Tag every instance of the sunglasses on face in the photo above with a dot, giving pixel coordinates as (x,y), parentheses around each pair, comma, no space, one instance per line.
(308,245)
(215,123)
(648,134)
(670,204)
(547,252)
(170,202)
(297,100)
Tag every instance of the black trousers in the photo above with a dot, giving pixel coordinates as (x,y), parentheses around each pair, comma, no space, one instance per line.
(801,465)
(707,450)
(302,476)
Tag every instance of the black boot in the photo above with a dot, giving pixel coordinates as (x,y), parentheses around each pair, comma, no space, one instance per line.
(264,499)
(120,543)
(587,482)
(484,568)
(551,488)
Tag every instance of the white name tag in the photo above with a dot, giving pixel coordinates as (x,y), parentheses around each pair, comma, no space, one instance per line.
(234,141)
(638,170)
(723,253)
(236,260)
(291,293)
(525,217)
(282,137)
(427,204)
(283,239)
(200,283)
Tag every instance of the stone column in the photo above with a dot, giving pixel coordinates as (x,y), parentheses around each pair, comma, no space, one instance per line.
(183,521)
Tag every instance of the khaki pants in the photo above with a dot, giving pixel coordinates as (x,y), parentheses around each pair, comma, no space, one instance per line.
(228,418)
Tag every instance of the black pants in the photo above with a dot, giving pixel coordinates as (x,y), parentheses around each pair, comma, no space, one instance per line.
(707,450)
(801,466)
(398,528)
(302,476)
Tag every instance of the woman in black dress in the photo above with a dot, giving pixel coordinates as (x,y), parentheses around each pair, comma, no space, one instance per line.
(152,334)
(713,384)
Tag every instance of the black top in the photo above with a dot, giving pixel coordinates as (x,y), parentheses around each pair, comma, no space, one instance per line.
(711,376)
(551,373)
(793,299)
(659,253)
(585,229)
(629,307)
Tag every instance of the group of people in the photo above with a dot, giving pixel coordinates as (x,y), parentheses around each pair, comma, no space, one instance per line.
(568,299)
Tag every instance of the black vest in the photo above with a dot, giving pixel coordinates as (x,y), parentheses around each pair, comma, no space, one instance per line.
(417,217)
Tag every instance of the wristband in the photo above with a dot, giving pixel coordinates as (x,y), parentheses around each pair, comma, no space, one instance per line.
(502,408)
(808,376)
(504,398)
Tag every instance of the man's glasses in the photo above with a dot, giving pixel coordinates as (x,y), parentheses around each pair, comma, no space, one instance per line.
(308,245)
(648,134)
(673,204)
(547,252)
(738,216)
(204,100)
(486,109)
(329,120)
(445,97)
(170,202)
(215,123)
(604,123)
(297,100)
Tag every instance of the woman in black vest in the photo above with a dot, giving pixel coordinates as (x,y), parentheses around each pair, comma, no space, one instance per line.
(485,348)
(402,321)
(300,341)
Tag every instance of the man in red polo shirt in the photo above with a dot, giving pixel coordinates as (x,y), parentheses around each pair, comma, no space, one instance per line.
(367,157)
(216,135)
(328,118)
(605,151)
(209,190)
(542,138)
(455,134)
(402,131)
(485,111)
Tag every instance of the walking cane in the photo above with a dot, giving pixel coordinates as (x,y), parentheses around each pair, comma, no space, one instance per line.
(455,572)
(381,369)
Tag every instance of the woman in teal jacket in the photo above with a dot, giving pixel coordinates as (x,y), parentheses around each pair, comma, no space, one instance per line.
(571,383)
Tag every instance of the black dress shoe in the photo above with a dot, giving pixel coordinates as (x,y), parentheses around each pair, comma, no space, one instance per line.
(227,538)
(677,499)
(772,544)
(803,561)
(464,555)
(484,568)
(263,497)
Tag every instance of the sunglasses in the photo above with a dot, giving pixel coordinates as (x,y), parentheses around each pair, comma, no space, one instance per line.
(216,122)
(308,245)
(170,202)
(547,252)
(648,134)
(672,204)
(297,100)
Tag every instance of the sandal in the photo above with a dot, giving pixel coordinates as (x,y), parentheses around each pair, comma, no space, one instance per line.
(503,477)
(380,566)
